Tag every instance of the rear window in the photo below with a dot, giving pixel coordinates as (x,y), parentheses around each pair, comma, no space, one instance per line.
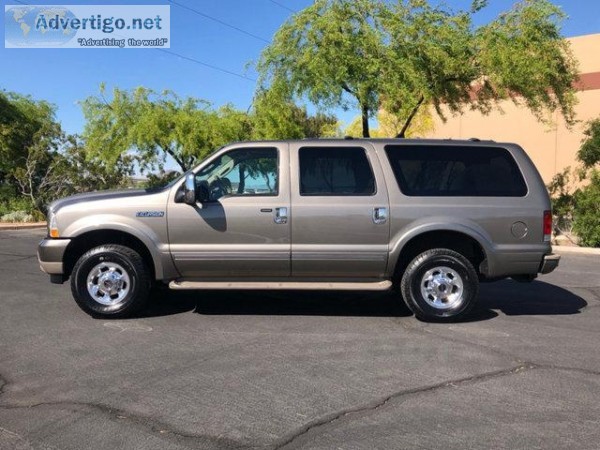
(335,171)
(455,171)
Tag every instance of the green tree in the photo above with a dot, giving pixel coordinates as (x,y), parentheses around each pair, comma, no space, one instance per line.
(586,209)
(589,153)
(276,116)
(576,193)
(48,174)
(152,125)
(27,127)
(39,163)
(407,55)
(331,52)
(389,125)
(586,212)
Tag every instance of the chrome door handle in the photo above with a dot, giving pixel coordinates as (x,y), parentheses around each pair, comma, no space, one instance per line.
(281,215)
(380,215)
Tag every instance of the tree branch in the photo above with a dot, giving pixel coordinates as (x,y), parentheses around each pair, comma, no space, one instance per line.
(346,88)
(177,159)
(410,118)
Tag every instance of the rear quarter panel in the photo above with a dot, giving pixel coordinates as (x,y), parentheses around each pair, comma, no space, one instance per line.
(489,220)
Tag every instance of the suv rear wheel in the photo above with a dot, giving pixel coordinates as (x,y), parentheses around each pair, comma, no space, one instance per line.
(440,285)
(110,281)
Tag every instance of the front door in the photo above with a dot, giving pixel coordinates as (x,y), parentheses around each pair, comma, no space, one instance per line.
(242,229)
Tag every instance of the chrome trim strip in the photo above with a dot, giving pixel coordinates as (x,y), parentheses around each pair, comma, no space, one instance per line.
(347,256)
(230,256)
(300,285)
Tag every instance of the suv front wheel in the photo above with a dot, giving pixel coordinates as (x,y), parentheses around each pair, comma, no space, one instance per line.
(110,281)
(440,285)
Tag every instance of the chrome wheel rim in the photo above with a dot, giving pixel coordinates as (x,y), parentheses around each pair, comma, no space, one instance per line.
(108,283)
(442,288)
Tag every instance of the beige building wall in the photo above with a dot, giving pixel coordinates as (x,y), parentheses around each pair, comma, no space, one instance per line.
(552,147)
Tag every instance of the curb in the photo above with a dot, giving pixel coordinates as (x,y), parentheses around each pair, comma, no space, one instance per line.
(22,226)
(576,250)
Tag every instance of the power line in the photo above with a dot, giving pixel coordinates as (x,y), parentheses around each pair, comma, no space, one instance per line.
(214,19)
(202,63)
(281,5)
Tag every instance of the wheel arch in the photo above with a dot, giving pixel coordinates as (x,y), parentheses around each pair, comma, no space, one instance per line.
(463,239)
(93,238)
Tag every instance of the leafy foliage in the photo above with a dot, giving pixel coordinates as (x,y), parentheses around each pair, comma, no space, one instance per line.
(587,212)
(27,127)
(151,126)
(400,57)
(48,175)
(562,189)
(12,203)
(331,52)
(589,153)
(389,125)
(276,116)
(17,216)
(160,179)
(39,163)
(574,207)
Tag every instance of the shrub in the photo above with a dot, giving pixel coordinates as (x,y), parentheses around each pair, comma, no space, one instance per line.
(586,212)
(17,216)
(14,204)
(562,193)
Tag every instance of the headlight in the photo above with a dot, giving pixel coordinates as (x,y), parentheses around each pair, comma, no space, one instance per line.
(52,225)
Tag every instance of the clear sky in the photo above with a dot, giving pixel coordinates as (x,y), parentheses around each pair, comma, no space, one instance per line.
(66,76)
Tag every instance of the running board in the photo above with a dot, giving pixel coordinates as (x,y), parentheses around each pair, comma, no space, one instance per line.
(292,285)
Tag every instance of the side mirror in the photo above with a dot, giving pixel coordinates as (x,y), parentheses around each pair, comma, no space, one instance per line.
(203,192)
(189,189)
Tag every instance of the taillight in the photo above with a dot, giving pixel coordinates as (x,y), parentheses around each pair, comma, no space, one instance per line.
(547,226)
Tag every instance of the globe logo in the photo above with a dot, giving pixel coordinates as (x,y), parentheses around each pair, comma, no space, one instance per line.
(32,26)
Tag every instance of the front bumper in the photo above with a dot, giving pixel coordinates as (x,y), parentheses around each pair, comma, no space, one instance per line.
(549,263)
(50,255)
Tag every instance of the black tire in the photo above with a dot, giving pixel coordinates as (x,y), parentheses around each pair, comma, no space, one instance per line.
(135,284)
(423,274)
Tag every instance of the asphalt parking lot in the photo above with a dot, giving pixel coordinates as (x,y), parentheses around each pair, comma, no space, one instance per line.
(236,370)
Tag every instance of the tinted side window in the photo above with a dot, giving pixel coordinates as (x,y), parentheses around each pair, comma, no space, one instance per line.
(433,171)
(335,171)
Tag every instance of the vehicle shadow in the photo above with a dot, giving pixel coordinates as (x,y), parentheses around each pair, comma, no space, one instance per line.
(279,303)
(508,297)
(529,299)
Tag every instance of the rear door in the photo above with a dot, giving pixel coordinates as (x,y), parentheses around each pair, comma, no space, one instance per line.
(340,208)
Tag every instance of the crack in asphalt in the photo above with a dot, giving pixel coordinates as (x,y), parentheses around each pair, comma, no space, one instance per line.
(17,259)
(16,254)
(190,440)
(3,384)
(374,405)
(429,332)
(568,369)
(157,427)
(330,418)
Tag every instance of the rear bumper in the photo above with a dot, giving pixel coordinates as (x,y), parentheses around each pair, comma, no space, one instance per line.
(549,263)
(50,255)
